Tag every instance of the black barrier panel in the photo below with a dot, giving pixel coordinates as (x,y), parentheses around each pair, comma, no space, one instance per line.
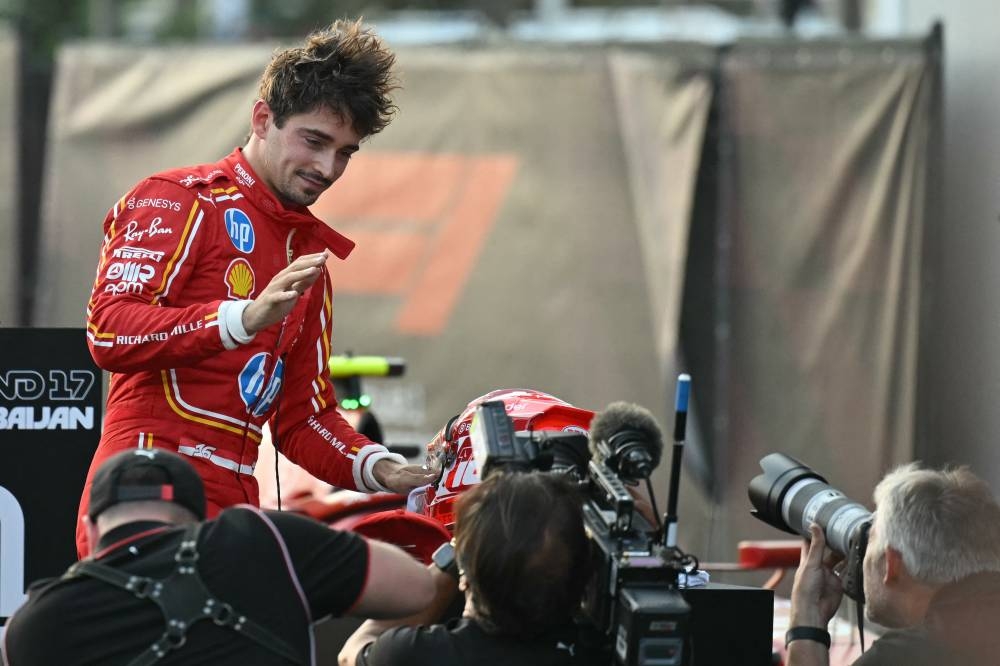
(50,423)
(730,624)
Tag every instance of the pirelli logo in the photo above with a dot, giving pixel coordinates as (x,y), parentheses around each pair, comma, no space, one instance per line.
(127,252)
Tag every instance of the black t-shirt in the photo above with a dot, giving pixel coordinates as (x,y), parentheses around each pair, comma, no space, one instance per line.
(281,570)
(961,627)
(463,641)
(909,647)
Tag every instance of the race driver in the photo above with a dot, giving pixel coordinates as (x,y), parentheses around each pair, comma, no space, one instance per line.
(212,304)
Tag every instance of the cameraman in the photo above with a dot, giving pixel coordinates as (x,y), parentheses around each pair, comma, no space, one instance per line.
(164,588)
(931,575)
(520,557)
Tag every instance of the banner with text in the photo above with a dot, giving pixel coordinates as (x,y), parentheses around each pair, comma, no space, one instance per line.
(50,423)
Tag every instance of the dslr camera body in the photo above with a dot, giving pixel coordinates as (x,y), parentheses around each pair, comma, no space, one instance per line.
(632,608)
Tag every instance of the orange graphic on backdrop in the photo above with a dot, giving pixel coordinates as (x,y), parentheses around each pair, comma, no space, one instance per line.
(419,221)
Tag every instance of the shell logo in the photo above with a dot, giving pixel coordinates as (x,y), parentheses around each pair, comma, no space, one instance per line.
(240,279)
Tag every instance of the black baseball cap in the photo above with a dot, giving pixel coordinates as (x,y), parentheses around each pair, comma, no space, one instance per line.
(143,475)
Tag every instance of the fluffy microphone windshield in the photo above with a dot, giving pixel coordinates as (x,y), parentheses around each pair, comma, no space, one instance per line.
(623,424)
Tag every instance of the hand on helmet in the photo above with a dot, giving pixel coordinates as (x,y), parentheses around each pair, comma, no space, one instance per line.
(402,478)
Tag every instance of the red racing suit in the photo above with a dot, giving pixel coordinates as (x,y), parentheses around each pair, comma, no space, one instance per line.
(183,253)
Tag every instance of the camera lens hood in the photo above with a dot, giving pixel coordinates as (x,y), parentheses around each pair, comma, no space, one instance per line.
(767,490)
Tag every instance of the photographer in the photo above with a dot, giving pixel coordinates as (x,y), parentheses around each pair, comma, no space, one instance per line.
(931,575)
(164,588)
(520,557)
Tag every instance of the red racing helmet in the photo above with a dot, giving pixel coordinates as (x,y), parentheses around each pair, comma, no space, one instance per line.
(530,410)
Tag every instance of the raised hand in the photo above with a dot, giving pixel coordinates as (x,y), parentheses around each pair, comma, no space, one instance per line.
(817,591)
(282,292)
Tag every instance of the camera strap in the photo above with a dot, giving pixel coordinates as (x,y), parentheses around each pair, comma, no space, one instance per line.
(860,610)
(184,600)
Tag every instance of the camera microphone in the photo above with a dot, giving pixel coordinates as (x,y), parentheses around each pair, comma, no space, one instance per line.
(627,439)
(681,399)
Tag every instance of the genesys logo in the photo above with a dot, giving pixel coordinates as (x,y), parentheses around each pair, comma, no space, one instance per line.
(258,389)
(168,204)
(27,386)
(240,229)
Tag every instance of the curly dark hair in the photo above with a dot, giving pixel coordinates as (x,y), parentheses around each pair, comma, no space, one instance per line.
(521,543)
(344,67)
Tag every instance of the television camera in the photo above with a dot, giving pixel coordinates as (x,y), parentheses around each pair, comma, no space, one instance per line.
(633,608)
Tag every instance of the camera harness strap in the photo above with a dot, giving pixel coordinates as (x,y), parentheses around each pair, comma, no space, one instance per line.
(184,600)
(859,610)
(859,607)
